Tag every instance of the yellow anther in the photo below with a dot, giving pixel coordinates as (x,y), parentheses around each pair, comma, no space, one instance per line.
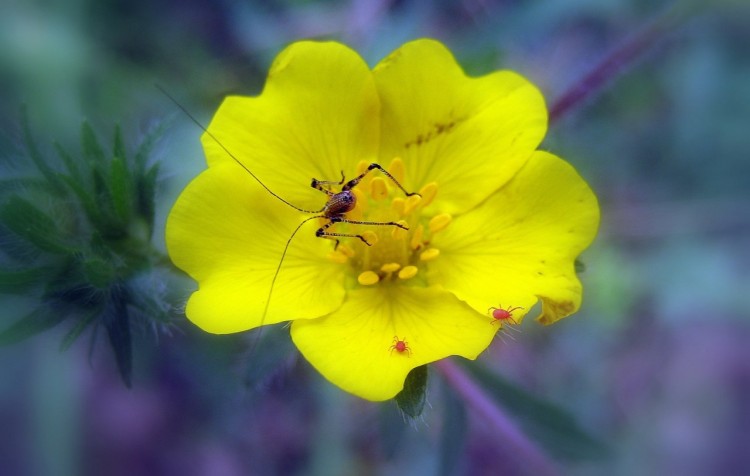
(337,257)
(368,278)
(440,222)
(399,233)
(397,169)
(416,237)
(390,267)
(378,188)
(398,205)
(346,250)
(370,237)
(407,272)
(428,193)
(429,254)
(362,167)
(411,203)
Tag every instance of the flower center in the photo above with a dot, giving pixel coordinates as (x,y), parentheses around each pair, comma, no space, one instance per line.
(396,254)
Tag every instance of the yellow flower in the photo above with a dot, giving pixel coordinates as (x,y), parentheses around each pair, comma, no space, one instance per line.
(498,223)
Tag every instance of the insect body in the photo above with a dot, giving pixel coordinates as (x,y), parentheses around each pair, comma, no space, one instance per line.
(503,315)
(400,346)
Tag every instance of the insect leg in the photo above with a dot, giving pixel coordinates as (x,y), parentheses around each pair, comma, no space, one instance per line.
(323,184)
(322,233)
(353,182)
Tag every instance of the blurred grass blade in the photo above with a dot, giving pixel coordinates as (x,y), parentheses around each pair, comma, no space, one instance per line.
(30,223)
(92,149)
(453,433)
(551,426)
(37,321)
(15,282)
(412,398)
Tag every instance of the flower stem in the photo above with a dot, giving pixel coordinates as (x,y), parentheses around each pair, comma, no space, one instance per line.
(512,438)
(606,71)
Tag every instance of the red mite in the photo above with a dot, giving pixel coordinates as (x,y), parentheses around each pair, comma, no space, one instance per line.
(503,315)
(400,346)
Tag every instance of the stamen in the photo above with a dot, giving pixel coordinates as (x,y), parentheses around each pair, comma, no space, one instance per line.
(428,193)
(338,257)
(378,188)
(408,272)
(411,204)
(390,267)
(440,222)
(370,236)
(398,205)
(399,233)
(416,237)
(429,254)
(368,278)
(397,169)
(346,249)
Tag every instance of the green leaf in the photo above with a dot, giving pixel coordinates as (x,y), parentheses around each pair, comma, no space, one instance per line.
(30,223)
(146,195)
(17,184)
(36,157)
(37,321)
(120,188)
(117,323)
(548,424)
(146,146)
(69,162)
(92,149)
(15,282)
(268,356)
(87,201)
(453,433)
(412,398)
(119,146)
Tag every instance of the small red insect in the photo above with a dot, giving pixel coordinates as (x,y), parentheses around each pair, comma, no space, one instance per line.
(400,346)
(503,315)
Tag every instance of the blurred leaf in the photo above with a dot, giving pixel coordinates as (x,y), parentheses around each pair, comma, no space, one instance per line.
(120,188)
(37,321)
(18,184)
(70,164)
(147,195)
(90,145)
(412,398)
(118,150)
(146,146)
(13,282)
(29,222)
(550,425)
(117,323)
(453,434)
(269,355)
(49,174)
(87,201)
(80,326)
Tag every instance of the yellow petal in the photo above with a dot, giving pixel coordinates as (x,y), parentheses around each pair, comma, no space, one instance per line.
(228,234)
(352,347)
(470,135)
(318,115)
(520,245)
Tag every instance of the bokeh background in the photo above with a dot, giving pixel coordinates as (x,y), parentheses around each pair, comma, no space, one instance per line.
(655,367)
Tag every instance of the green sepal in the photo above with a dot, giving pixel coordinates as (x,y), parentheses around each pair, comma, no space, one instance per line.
(548,424)
(37,321)
(411,399)
(30,223)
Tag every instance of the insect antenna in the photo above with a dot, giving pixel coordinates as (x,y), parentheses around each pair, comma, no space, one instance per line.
(229,153)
